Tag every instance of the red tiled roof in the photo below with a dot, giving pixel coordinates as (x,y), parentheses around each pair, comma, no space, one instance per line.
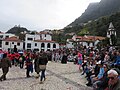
(89,38)
(50,41)
(78,37)
(13,38)
(1,32)
(42,32)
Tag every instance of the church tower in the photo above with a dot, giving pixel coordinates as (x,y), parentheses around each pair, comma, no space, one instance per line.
(111,31)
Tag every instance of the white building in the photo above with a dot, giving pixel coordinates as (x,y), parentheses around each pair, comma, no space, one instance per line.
(88,41)
(40,41)
(70,43)
(11,42)
(45,45)
(3,36)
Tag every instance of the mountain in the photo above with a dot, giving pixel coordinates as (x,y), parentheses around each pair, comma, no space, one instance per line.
(17,30)
(97,10)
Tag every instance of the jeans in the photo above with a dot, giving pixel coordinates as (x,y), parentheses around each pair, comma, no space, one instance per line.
(42,75)
(28,71)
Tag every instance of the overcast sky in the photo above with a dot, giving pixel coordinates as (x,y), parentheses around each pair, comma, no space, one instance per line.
(40,14)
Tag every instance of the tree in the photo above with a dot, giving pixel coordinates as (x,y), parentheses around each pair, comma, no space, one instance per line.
(83,32)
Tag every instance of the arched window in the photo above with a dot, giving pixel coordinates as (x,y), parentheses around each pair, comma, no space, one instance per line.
(48,45)
(54,45)
(43,45)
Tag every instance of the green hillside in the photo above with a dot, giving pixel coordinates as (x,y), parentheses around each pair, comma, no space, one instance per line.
(99,26)
(97,10)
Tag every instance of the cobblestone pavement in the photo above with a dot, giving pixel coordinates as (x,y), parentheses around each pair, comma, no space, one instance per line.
(59,77)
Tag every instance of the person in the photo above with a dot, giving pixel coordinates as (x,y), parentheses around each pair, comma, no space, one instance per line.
(94,78)
(21,61)
(36,65)
(117,61)
(28,65)
(101,72)
(5,64)
(114,82)
(80,60)
(103,82)
(43,60)
(15,49)
(64,59)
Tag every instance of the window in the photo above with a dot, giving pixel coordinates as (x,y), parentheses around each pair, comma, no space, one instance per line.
(43,45)
(7,37)
(48,49)
(12,42)
(6,43)
(1,36)
(45,35)
(18,44)
(42,49)
(35,44)
(29,38)
(48,45)
(36,49)
(28,45)
(54,45)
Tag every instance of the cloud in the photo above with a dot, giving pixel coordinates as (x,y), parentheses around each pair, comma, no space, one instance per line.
(40,14)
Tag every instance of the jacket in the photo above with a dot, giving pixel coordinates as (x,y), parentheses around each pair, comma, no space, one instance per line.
(43,60)
(5,62)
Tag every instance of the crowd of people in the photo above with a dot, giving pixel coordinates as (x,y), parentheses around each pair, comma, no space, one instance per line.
(28,60)
(100,66)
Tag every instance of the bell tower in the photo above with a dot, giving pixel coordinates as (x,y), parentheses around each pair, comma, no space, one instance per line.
(111,31)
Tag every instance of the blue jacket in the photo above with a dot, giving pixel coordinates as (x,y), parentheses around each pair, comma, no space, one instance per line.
(117,60)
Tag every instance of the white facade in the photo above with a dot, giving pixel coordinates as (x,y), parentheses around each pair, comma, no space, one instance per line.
(32,42)
(3,36)
(46,37)
(88,41)
(45,46)
(90,44)
(10,45)
(35,42)
(6,35)
(69,44)
(31,37)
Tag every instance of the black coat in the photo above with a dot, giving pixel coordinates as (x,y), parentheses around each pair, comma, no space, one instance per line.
(43,60)
(64,59)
